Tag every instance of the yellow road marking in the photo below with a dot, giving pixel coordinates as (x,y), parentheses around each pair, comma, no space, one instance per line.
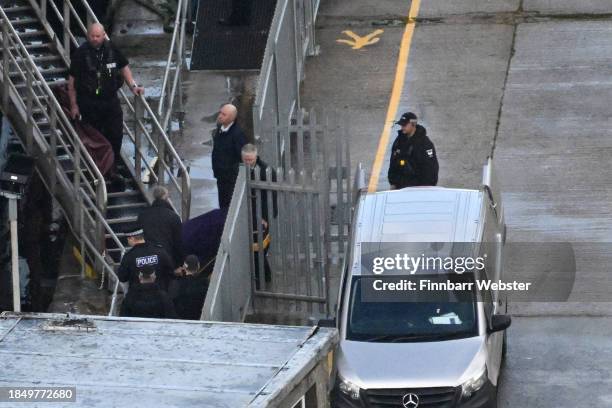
(398,85)
(358,42)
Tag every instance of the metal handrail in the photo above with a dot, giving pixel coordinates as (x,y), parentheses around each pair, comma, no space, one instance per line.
(178,42)
(86,212)
(57,113)
(165,146)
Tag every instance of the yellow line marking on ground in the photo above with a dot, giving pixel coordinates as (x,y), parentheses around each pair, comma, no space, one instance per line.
(398,85)
(358,42)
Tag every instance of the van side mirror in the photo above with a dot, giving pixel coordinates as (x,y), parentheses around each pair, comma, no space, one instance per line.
(499,322)
(327,323)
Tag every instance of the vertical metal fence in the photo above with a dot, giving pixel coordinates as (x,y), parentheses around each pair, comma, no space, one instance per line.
(291,39)
(300,217)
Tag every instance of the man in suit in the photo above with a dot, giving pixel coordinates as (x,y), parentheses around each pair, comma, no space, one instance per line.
(258,172)
(163,226)
(228,140)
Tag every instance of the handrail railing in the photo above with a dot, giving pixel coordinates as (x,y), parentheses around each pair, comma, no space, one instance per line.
(177,46)
(85,170)
(167,157)
(84,196)
(88,207)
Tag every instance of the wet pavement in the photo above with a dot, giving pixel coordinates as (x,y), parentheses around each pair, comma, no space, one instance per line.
(527,80)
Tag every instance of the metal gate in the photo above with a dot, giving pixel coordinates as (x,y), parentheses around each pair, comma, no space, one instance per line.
(299,215)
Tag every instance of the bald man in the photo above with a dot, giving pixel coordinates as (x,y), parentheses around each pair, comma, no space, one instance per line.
(228,140)
(97,71)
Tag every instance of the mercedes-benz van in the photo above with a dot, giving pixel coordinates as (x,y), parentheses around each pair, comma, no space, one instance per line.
(423,353)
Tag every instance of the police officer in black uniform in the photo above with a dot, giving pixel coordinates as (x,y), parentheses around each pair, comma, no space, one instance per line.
(144,255)
(413,156)
(97,71)
(147,299)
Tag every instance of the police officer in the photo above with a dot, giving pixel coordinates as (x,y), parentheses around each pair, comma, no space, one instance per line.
(413,156)
(144,255)
(228,140)
(97,71)
(190,290)
(147,299)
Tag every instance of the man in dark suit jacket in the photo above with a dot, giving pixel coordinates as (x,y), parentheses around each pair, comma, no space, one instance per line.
(253,163)
(162,226)
(228,140)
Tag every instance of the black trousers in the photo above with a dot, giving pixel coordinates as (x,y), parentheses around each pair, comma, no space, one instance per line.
(225,186)
(106,117)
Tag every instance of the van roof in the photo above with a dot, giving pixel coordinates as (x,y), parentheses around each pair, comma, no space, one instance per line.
(418,214)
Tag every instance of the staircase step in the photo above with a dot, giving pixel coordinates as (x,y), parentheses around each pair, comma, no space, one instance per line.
(32,34)
(16,9)
(60,82)
(122,220)
(20,22)
(47,71)
(47,58)
(124,194)
(127,206)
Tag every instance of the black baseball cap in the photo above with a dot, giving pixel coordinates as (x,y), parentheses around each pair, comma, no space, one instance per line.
(406,118)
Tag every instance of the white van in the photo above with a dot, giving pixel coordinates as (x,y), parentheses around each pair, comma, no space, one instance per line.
(423,355)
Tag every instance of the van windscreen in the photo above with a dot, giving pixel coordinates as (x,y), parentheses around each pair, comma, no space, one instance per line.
(420,319)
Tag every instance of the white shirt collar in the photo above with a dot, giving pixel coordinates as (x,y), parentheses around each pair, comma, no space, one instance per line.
(226,128)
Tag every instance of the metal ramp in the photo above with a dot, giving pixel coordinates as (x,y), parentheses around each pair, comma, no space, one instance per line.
(216,46)
(34,60)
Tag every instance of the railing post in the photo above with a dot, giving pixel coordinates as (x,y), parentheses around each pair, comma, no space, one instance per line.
(43,10)
(29,105)
(185,198)
(53,149)
(5,66)
(161,157)
(100,203)
(67,26)
(76,181)
(138,113)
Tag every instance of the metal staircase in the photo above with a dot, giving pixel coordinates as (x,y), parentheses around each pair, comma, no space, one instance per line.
(36,58)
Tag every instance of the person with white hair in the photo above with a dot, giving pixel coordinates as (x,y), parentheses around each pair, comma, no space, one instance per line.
(228,140)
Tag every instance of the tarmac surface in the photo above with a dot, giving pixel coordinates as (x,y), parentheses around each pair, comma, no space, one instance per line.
(526,81)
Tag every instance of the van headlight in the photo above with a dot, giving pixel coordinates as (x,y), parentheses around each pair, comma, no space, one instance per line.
(348,388)
(474,384)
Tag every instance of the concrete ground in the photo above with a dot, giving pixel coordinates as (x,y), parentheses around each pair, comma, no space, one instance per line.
(526,80)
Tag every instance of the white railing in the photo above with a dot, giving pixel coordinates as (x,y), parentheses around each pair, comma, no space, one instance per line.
(277,96)
(171,90)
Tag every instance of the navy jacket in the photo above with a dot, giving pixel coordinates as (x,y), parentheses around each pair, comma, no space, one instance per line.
(226,152)
(162,226)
